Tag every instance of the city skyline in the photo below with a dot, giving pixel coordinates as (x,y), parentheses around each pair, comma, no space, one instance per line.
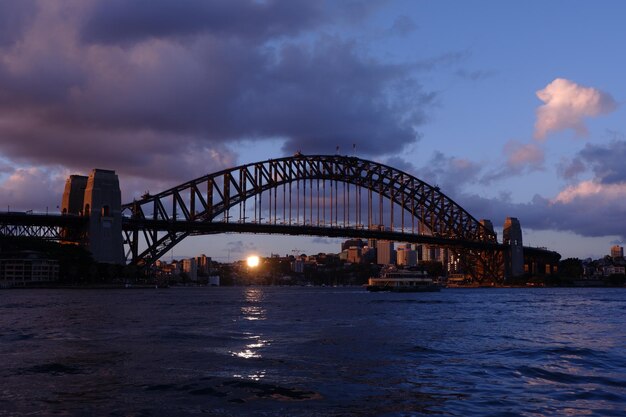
(511,109)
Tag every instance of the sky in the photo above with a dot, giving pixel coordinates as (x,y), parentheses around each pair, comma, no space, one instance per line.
(511,108)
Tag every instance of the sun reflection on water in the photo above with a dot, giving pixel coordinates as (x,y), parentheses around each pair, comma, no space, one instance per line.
(253,312)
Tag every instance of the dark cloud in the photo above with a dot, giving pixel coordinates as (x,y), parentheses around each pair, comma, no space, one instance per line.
(543,214)
(570,169)
(14,17)
(589,208)
(449,173)
(324,240)
(123,21)
(239,246)
(122,84)
(607,161)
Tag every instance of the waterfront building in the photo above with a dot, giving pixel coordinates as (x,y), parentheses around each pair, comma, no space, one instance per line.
(27,267)
(613,269)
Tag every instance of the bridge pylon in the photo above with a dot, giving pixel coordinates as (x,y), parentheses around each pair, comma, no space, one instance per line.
(98,198)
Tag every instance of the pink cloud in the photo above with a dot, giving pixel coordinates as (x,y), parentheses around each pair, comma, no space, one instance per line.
(521,155)
(33,189)
(567,104)
(591,191)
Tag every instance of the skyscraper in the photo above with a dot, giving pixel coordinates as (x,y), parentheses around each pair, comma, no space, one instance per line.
(386,255)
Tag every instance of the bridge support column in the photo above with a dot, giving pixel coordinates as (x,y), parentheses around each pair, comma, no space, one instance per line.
(512,236)
(102,203)
(72,205)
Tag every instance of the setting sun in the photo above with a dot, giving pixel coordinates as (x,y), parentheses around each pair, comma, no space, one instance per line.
(252,261)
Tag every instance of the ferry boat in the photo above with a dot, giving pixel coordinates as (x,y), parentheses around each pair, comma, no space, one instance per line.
(402,280)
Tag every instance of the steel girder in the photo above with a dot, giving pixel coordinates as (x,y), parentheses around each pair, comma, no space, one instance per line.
(48,227)
(209,198)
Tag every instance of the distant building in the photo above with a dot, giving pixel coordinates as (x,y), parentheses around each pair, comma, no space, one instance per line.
(297,266)
(27,267)
(354,254)
(385,253)
(352,243)
(190,268)
(617,252)
(406,256)
(203,264)
(613,269)
(429,253)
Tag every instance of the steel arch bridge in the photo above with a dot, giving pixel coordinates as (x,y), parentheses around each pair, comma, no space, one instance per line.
(327,195)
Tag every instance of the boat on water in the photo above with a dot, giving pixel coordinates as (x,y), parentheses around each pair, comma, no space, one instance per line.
(402,280)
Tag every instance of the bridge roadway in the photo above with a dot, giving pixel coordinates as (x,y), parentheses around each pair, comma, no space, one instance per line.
(203,228)
(43,226)
(18,224)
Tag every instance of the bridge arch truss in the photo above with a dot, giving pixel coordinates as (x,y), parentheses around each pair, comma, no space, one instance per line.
(329,195)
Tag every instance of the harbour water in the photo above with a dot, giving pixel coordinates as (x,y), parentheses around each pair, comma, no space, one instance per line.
(270,351)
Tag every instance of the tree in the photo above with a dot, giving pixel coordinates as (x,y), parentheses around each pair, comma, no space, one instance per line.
(571,268)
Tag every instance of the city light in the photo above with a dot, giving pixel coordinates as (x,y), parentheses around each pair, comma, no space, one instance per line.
(252,261)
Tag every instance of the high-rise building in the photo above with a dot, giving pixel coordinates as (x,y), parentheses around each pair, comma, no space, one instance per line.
(191,268)
(385,254)
(406,256)
(204,265)
(617,252)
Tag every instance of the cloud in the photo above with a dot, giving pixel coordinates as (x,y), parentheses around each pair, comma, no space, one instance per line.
(570,169)
(477,75)
(239,246)
(519,158)
(123,21)
(13,18)
(447,172)
(587,209)
(33,189)
(591,190)
(567,104)
(403,25)
(606,161)
(162,91)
